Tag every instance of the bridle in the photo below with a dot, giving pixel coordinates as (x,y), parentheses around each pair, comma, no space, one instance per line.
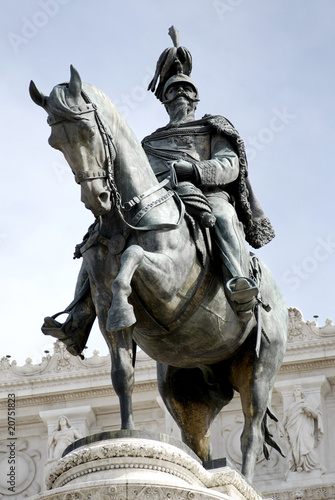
(108,174)
(110,153)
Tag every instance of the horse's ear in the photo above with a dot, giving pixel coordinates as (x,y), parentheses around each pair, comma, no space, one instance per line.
(75,82)
(37,96)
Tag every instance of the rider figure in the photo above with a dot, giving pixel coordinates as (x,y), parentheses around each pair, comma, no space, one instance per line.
(210,154)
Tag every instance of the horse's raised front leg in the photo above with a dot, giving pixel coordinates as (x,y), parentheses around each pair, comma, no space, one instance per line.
(121,314)
(156,271)
(121,350)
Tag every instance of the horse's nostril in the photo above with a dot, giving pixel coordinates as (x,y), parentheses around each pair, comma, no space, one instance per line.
(103,197)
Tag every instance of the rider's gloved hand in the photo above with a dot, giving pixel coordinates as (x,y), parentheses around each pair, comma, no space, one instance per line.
(184,170)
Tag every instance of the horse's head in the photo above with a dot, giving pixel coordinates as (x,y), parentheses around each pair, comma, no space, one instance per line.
(77,131)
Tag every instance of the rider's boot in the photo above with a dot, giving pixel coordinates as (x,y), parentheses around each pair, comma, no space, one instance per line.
(242,295)
(74,331)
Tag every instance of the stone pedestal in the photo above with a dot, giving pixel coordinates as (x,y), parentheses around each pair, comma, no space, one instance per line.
(129,465)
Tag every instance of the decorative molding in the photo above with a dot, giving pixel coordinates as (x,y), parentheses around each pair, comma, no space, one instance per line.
(305,366)
(301,332)
(75,395)
(137,492)
(226,477)
(324,492)
(137,454)
(29,368)
(63,365)
(124,448)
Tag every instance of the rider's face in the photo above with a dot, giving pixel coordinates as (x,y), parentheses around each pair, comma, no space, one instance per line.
(181,101)
(180,90)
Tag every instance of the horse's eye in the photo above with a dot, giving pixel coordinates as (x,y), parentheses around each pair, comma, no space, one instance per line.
(92,131)
(86,129)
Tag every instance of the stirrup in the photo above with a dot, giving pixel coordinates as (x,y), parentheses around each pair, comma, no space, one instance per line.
(242,295)
(55,328)
(58,331)
(242,290)
(72,333)
(73,338)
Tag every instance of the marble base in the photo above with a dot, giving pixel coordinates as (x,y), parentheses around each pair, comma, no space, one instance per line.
(129,465)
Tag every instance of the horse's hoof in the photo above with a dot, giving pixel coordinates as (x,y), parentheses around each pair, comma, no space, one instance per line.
(120,319)
(128,426)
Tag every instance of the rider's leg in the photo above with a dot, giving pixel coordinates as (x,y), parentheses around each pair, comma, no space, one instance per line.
(74,331)
(229,236)
(234,257)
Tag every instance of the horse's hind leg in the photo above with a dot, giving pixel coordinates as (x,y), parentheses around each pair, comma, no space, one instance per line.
(254,378)
(192,403)
(254,404)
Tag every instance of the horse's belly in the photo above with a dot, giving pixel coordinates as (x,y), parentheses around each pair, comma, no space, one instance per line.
(210,334)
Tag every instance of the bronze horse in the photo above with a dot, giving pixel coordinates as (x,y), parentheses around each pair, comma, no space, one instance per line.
(149,286)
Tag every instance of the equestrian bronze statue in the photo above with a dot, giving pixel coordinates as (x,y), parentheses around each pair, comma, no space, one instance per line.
(165,264)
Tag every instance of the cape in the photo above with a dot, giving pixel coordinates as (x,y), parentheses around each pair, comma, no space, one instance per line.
(257,227)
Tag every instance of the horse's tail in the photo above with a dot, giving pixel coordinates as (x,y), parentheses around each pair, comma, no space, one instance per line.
(268,437)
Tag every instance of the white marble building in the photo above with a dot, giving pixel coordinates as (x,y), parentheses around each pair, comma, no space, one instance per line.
(34,397)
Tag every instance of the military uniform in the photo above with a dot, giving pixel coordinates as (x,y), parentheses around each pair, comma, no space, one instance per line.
(216,152)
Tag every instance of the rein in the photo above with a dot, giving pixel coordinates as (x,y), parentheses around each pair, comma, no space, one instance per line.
(110,154)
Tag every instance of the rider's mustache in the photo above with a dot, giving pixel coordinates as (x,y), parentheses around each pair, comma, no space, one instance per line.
(181,93)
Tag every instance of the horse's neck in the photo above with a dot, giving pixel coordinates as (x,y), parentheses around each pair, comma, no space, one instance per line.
(132,171)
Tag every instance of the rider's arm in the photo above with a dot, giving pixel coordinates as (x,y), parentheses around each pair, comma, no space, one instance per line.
(222,168)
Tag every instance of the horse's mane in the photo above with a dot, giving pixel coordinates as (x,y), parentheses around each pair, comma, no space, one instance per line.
(57,104)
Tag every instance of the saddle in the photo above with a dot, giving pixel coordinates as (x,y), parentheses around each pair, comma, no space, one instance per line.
(196,203)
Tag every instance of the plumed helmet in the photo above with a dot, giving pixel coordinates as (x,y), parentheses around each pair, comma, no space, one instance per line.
(180,78)
(174,63)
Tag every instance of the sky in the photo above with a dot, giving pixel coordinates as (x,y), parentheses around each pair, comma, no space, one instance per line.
(266,66)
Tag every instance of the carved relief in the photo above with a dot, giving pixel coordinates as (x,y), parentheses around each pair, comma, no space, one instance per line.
(4,364)
(295,325)
(311,493)
(64,361)
(139,492)
(231,435)
(24,469)
(61,438)
(112,493)
(304,429)
(165,493)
